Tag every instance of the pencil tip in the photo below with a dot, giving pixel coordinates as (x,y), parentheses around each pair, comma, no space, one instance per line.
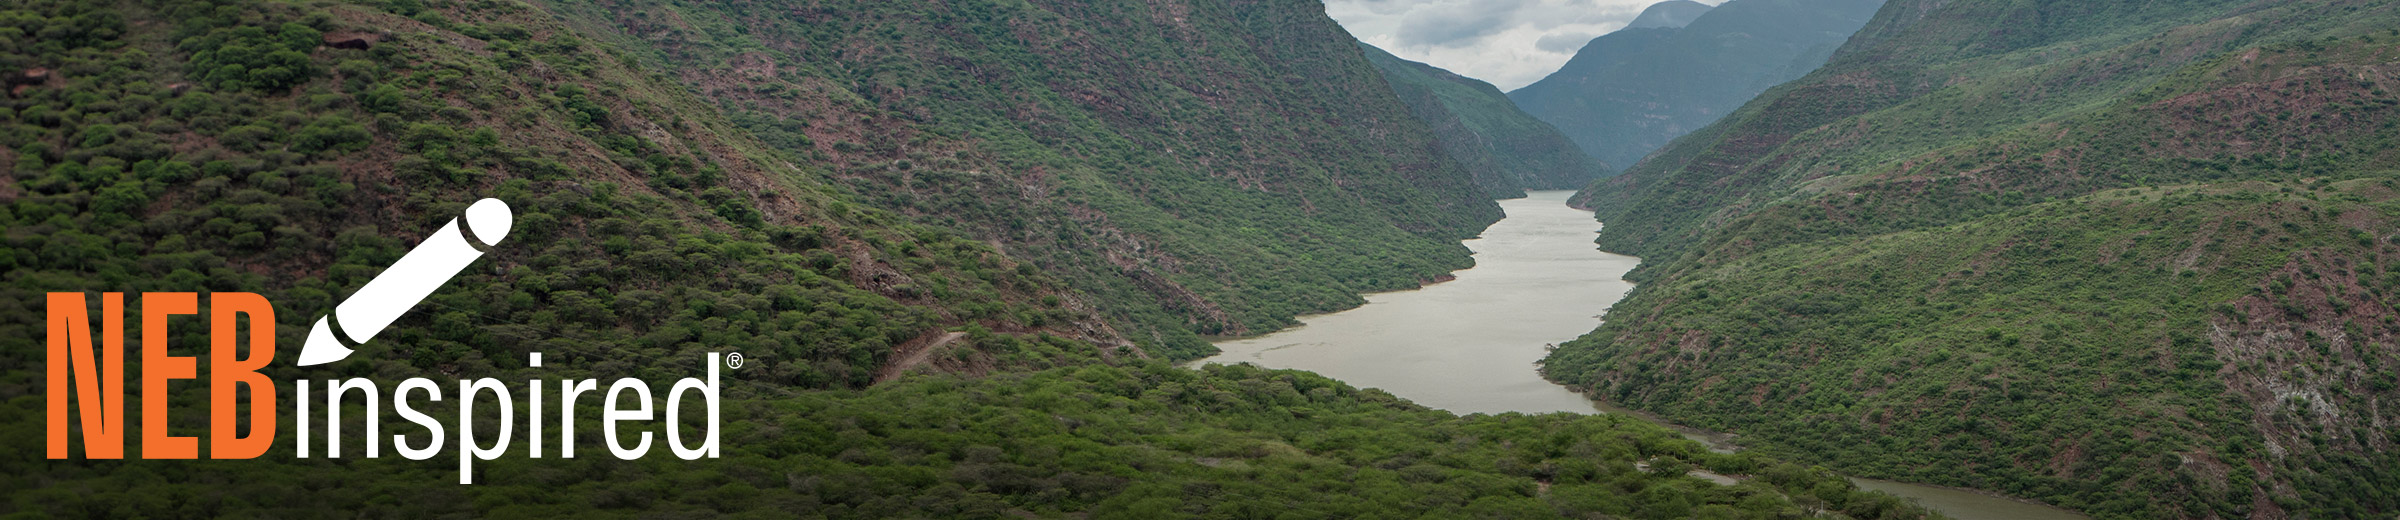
(322,347)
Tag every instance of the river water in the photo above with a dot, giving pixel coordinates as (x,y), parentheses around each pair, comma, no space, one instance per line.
(1469,345)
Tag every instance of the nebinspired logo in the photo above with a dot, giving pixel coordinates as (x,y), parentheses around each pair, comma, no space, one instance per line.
(95,377)
(407,282)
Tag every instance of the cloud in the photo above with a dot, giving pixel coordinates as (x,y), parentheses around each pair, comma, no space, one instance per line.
(1509,43)
(1456,24)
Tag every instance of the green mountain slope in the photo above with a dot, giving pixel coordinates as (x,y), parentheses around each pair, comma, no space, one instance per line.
(238,151)
(1629,92)
(255,146)
(1212,169)
(1507,151)
(2125,258)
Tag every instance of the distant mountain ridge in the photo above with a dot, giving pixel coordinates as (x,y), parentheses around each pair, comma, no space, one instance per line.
(1669,14)
(1507,150)
(1629,92)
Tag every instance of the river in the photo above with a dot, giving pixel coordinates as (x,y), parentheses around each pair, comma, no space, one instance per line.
(1469,345)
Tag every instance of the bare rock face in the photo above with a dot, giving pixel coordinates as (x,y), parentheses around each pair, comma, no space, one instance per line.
(32,76)
(352,40)
(28,79)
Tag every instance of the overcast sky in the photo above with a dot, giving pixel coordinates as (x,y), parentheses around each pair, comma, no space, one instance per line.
(1509,43)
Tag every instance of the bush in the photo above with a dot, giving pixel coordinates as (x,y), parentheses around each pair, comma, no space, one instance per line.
(332,133)
(251,57)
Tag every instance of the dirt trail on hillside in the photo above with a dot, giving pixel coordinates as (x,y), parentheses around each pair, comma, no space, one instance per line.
(914,353)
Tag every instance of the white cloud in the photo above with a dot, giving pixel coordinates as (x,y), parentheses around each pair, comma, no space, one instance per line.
(1509,43)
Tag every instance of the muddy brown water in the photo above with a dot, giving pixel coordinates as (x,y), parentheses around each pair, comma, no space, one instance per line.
(1469,345)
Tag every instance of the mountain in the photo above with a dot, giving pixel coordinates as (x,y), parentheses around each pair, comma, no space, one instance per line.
(1629,92)
(1507,151)
(243,150)
(1216,168)
(2130,258)
(298,149)
(1668,15)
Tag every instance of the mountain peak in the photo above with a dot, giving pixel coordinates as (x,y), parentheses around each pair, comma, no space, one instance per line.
(1669,14)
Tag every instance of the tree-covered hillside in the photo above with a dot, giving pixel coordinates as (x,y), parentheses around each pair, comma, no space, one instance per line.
(189,146)
(297,149)
(1507,151)
(2129,258)
(1630,92)
(1197,167)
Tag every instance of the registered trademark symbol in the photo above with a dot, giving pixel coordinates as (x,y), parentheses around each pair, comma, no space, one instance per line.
(733,360)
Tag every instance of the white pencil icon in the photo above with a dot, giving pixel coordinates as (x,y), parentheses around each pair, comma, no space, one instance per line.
(407,282)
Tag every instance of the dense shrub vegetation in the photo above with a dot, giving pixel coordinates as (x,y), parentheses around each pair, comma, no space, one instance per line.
(296,149)
(2134,302)
(1198,168)
(2130,259)
(124,180)
(1142,442)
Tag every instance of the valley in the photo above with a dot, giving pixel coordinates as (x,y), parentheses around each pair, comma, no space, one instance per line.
(1222,259)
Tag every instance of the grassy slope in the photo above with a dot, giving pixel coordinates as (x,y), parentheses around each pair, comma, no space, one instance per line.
(2109,260)
(1508,151)
(1630,92)
(1198,167)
